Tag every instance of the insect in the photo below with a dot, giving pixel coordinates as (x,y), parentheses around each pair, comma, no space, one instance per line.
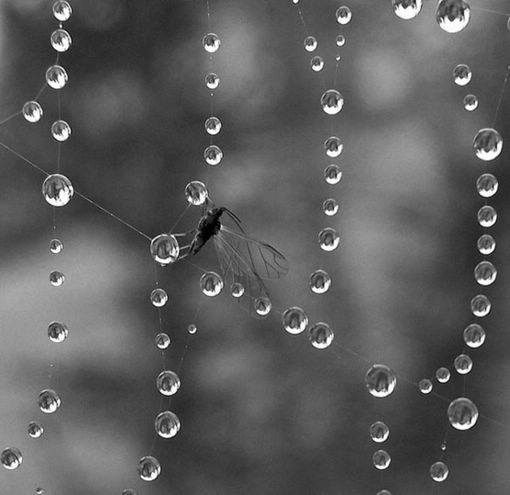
(243,260)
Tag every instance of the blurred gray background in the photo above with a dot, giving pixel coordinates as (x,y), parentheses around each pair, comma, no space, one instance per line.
(262,412)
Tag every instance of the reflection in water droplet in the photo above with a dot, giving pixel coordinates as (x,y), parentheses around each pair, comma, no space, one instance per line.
(328,239)
(443,375)
(167,424)
(149,468)
(380,380)
(57,190)
(168,383)
(452,15)
(379,432)
(321,335)
(196,193)
(32,111)
(211,284)
(480,305)
(462,413)
(11,458)
(381,459)
(439,471)
(487,144)
(294,320)
(164,249)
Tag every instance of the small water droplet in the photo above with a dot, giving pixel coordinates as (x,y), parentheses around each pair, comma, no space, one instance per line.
(332,102)
(159,297)
(317,63)
(474,335)
(57,332)
(168,383)
(211,42)
(328,239)
(425,386)
(470,103)
(149,468)
(487,144)
(462,74)
(332,174)
(320,281)
(56,246)
(485,273)
(486,244)
(487,185)
(57,278)
(196,193)
(453,15)
(211,284)
(463,364)
(212,80)
(333,146)
(167,424)
(162,341)
(407,9)
(60,40)
(381,459)
(321,335)
(330,207)
(487,216)
(213,126)
(310,43)
(56,77)
(213,155)
(443,375)
(49,401)
(35,429)
(380,380)
(480,305)
(439,471)
(62,11)
(379,432)
(61,130)
(262,306)
(343,15)
(57,190)
(32,111)
(294,320)
(11,458)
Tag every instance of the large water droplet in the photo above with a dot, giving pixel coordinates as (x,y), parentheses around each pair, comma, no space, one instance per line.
(196,193)
(406,9)
(485,273)
(62,10)
(328,239)
(159,298)
(60,40)
(486,244)
(294,320)
(332,101)
(474,335)
(463,364)
(11,458)
(439,471)
(443,375)
(310,43)
(61,130)
(343,15)
(48,401)
(32,111)
(462,413)
(211,284)
(452,15)
(321,335)
(149,468)
(379,432)
(57,332)
(35,429)
(168,382)
(381,459)
(487,216)
(462,74)
(487,144)
(56,77)
(57,190)
(480,305)
(380,380)
(167,424)
(333,146)
(164,249)
(487,185)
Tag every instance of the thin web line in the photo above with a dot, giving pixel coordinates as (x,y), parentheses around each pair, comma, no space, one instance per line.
(501,94)
(490,11)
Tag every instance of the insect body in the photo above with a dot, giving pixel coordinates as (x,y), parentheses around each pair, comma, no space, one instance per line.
(208,226)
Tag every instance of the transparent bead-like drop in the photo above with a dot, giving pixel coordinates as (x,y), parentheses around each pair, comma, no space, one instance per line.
(57,332)
(237,289)
(211,42)
(294,320)
(211,284)
(192,329)
(196,193)
(487,216)
(35,429)
(48,401)
(452,15)
(11,458)
(443,446)
(381,459)
(383,492)
(470,103)
(487,185)
(462,74)
(406,9)
(62,10)
(463,364)
(32,111)
(443,375)
(330,207)
(56,246)
(159,298)
(262,306)
(167,424)
(480,305)
(487,144)
(462,413)
(56,77)
(317,63)
(164,249)
(162,341)
(332,102)
(486,244)
(340,40)
(168,383)
(310,43)
(40,491)
(149,468)
(380,380)
(474,335)
(333,146)
(439,471)
(328,239)
(332,174)
(212,126)
(425,386)
(213,155)
(343,15)
(212,80)
(321,336)
(57,190)
(61,130)
(379,432)
(320,281)
(129,491)
(57,278)
(485,273)
(60,40)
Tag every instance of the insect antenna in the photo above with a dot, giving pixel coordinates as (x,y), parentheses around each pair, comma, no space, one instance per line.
(234,217)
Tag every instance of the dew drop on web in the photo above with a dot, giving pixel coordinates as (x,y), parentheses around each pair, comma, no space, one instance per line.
(57,190)
(196,193)
(480,305)
(164,249)
(452,15)
(379,432)
(158,298)
(439,471)
(380,380)
(474,335)
(56,77)
(294,320)
(321,336)
(48,401)
(320,281)
(211,284)
(381,459)
(62,10)
(35,429)
(407,9)
(167,424)
(57,332)
(162,341)
(462,413)
(32,111)
(11,458)
(168,383)
(487,144)
(149,468)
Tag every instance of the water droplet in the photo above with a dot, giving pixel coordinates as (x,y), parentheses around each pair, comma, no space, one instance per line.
(57,190)
(211,284)
(330,207)
(381,459)
(57,332)
(328,239)
(35,430)
(508,24)
(317,63)
(159,298)
(462,74)
(383,492)
(487,144)
(57,278)
(56,77)
(310,43)
(425,386)
(262,306)
(486,244)
(196,193)
(212,126)
(11,458)
(60,40)
(167,424)
(192,329)
(340,40)
(443,445)
(321,335)
(443,375)
(462,413)
(332,174)
(56,246)
(487,216)
(470,102)
(485,273)
(129,491)
(439,471)
(320,281)
(211,42)
(162,341)
(296,2)
(32,111)
(474,335)
(212,80)
(48,401)
(168,383)
(406,9)
(332,101)
(333,146)
(487,185)
(294,320)
(379,432)
(149,468)
(380,380)
(463,364)
(237,289)
(213,155)
(480,305)
(164,249)
(452,15)
(343,15)
(62,10)
(39,491)
(60,130)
